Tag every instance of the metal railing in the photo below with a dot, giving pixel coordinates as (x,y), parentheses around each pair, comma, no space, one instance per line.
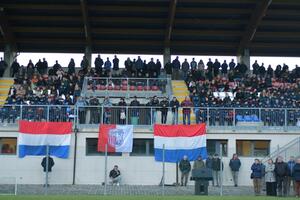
(283,118)
(290,149)
(126,86)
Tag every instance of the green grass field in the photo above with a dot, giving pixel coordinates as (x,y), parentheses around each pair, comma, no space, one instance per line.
(134,198)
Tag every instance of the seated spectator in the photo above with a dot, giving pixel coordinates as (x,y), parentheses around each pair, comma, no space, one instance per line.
(115,176)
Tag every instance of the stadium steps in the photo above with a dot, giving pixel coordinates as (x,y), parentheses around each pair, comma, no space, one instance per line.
(180,91)
(5,84)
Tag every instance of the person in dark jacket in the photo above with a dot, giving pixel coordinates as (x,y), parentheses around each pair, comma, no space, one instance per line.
(291,163)
(235,165)
(3,66)
(116,63)
(164,107)
(296,176)
(168,68)
(187,104)
(199,163)
(50,165)
(175,68)
(122,106)
(185,168)
(281,172)
(71,67)
(256,175)
(174,104)
(98,64)
(216,168)
(15,68)
(115,176)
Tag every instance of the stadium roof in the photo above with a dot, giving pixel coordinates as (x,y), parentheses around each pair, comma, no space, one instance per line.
(195,27)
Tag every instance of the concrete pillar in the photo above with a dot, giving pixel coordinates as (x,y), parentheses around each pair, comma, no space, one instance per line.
(88,54)
(167,55)
(9,55)
(244,57)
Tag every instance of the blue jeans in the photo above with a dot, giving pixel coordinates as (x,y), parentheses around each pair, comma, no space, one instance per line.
(154,112)
(175,117)
(188,116)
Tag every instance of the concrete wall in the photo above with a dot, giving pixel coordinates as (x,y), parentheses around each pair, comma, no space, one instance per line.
(135,169)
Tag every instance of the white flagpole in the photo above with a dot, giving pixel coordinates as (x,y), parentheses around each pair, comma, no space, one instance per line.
(47,168)
(163,178)
(105,171)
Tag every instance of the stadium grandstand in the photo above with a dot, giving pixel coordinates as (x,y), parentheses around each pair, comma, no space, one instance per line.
(249,109)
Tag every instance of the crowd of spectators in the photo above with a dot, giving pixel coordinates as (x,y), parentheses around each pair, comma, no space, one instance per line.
(216,85)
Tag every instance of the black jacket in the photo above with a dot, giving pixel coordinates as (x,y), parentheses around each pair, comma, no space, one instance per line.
(174,105)
(50,164)
(281,169)
(114,173)
(216,164)
(164,104)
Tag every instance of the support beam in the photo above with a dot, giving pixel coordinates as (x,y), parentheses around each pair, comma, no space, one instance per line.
(170,22)
(167,55)
(244,58)
(87,31)
(6,31)
(9,56)
(256,17)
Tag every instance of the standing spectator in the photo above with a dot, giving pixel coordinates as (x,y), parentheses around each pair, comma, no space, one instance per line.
(164,104)
(281,172)
(199,163)
(232,65)
(71,67)
(116,63)
(56,67)
(175,68)
(95,110)
(157,68)
(291,163)
(15,68)
(216,67)
(262,70)
(30,69)
(296,176)
(193,65)
(174,104)
(150,67)
(98,64)
(270,71)
(168,68)
(235,165)
(39,67)
(107,110)
(45,66)
(224,67)
(3,66)
(134,111)
(154,107)
(216,168)
(256,175)
(107,66)
(139,65)
(128,65)
(270,178)
(185,168)
(255,68)
(84,64)
(122,114)
(186,110)
(49,167)
(185,68)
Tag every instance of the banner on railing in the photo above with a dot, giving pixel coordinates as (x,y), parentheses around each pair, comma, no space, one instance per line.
(118,138)
(179,141)
(34,137)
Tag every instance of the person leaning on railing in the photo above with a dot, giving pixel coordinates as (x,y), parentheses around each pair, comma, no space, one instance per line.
(186,110)
(174,104)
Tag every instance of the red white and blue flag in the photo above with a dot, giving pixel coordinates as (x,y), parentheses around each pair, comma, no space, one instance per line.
(179,140)
(119,138)
(34,137)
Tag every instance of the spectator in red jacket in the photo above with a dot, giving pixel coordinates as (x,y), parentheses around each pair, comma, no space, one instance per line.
(186,110)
